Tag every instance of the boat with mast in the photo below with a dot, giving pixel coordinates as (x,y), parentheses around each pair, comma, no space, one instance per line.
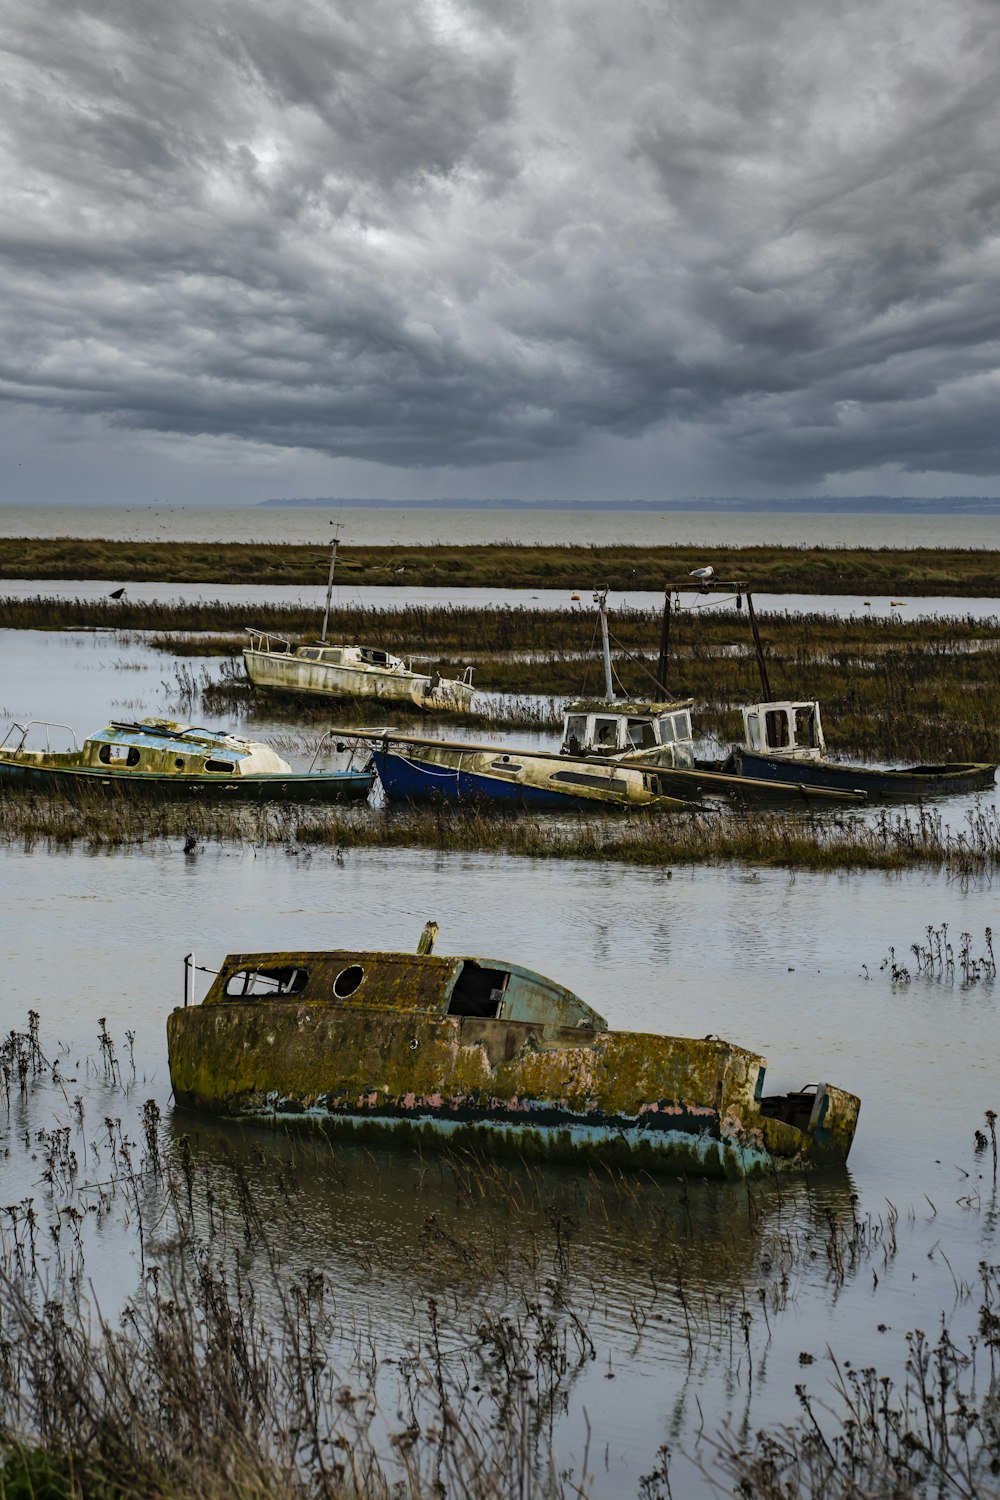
(322,669)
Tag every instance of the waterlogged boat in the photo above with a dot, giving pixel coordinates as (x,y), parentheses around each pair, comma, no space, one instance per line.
(328,671)
(163,758)
(468,1051)
(322,669)
(412,768)
(784,740)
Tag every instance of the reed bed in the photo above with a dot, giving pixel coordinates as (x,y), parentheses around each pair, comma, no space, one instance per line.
(235,1367)
(893,840)
(926,690)
(831,570)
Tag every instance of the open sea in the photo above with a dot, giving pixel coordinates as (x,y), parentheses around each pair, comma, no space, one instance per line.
(424,527)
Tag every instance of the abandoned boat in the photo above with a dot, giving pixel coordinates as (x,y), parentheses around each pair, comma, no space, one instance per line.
(412,768)
(322,669)
(659,735)
(481,1052)
(164,758)
(784,740)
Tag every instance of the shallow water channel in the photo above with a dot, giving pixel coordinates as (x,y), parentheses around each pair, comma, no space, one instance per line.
(681,1307)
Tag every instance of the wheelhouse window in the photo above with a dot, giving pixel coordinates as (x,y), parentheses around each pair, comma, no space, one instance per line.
(805,725)
(576,732)
(753,731)
(478,991)
(776,720)
(640,734)
(282,979)
(606,734)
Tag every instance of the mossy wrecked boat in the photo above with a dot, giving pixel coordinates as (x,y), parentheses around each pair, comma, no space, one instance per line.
(433,1050)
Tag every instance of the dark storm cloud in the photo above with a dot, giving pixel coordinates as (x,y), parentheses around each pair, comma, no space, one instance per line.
(464,233)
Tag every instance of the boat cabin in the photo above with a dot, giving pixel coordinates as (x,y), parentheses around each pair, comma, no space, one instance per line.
(792,731)
(160,745)
(427,983)
(655,731)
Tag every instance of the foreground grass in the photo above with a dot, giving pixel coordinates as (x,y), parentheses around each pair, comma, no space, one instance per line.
(813,570)
(909,839)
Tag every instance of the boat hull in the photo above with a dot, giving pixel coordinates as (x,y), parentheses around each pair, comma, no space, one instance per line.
(907,781)
(542,1092)
(291,674)
(543,782)
(315,786)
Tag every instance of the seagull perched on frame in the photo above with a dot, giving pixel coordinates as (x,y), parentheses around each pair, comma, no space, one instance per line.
(703,573)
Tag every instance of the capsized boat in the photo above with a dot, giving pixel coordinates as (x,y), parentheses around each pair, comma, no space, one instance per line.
(164,758)
(784,740)
(322,669)
(470,1051)
(414,768)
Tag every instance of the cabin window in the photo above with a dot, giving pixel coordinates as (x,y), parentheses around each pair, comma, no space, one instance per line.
(478,991)
(506,764)
(347,981)
(682,726)
(606,734)
(333,657)
(226,766)
(584,778)
(776,721)
(753,731)
(284,979)
(309,655)
(805,725)
(375,658)
(576,733)
(118,755)
(640,734)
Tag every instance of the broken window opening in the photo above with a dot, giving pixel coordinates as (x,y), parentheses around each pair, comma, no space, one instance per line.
(253,983)
(478,991)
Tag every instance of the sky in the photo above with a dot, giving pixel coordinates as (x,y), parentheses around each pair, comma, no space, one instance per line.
(532,248)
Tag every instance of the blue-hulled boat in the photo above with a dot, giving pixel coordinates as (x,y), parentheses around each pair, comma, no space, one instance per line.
(784,741)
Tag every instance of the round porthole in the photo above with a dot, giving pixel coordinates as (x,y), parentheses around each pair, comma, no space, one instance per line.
(347,981)
(178,764)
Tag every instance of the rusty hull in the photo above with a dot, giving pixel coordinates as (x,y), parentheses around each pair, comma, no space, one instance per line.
(400,1067)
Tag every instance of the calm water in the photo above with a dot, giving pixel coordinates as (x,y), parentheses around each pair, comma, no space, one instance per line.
(365,527)
(774,961)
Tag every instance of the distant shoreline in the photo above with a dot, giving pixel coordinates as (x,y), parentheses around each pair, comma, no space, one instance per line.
(871,505)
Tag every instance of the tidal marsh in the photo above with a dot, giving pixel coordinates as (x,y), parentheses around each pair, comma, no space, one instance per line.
(806,570)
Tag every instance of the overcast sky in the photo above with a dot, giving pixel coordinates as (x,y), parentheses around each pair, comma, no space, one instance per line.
(594,248)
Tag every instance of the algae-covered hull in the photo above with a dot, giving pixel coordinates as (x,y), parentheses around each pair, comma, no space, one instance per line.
(470,1051)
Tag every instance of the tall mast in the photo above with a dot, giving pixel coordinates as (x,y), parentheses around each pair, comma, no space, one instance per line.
(329,587)
(759,649)
(601,600)
(661,665)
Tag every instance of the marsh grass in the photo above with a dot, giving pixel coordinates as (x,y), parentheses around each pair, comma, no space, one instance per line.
(890,691)
(234,1369)
(836,570)
(908,839)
